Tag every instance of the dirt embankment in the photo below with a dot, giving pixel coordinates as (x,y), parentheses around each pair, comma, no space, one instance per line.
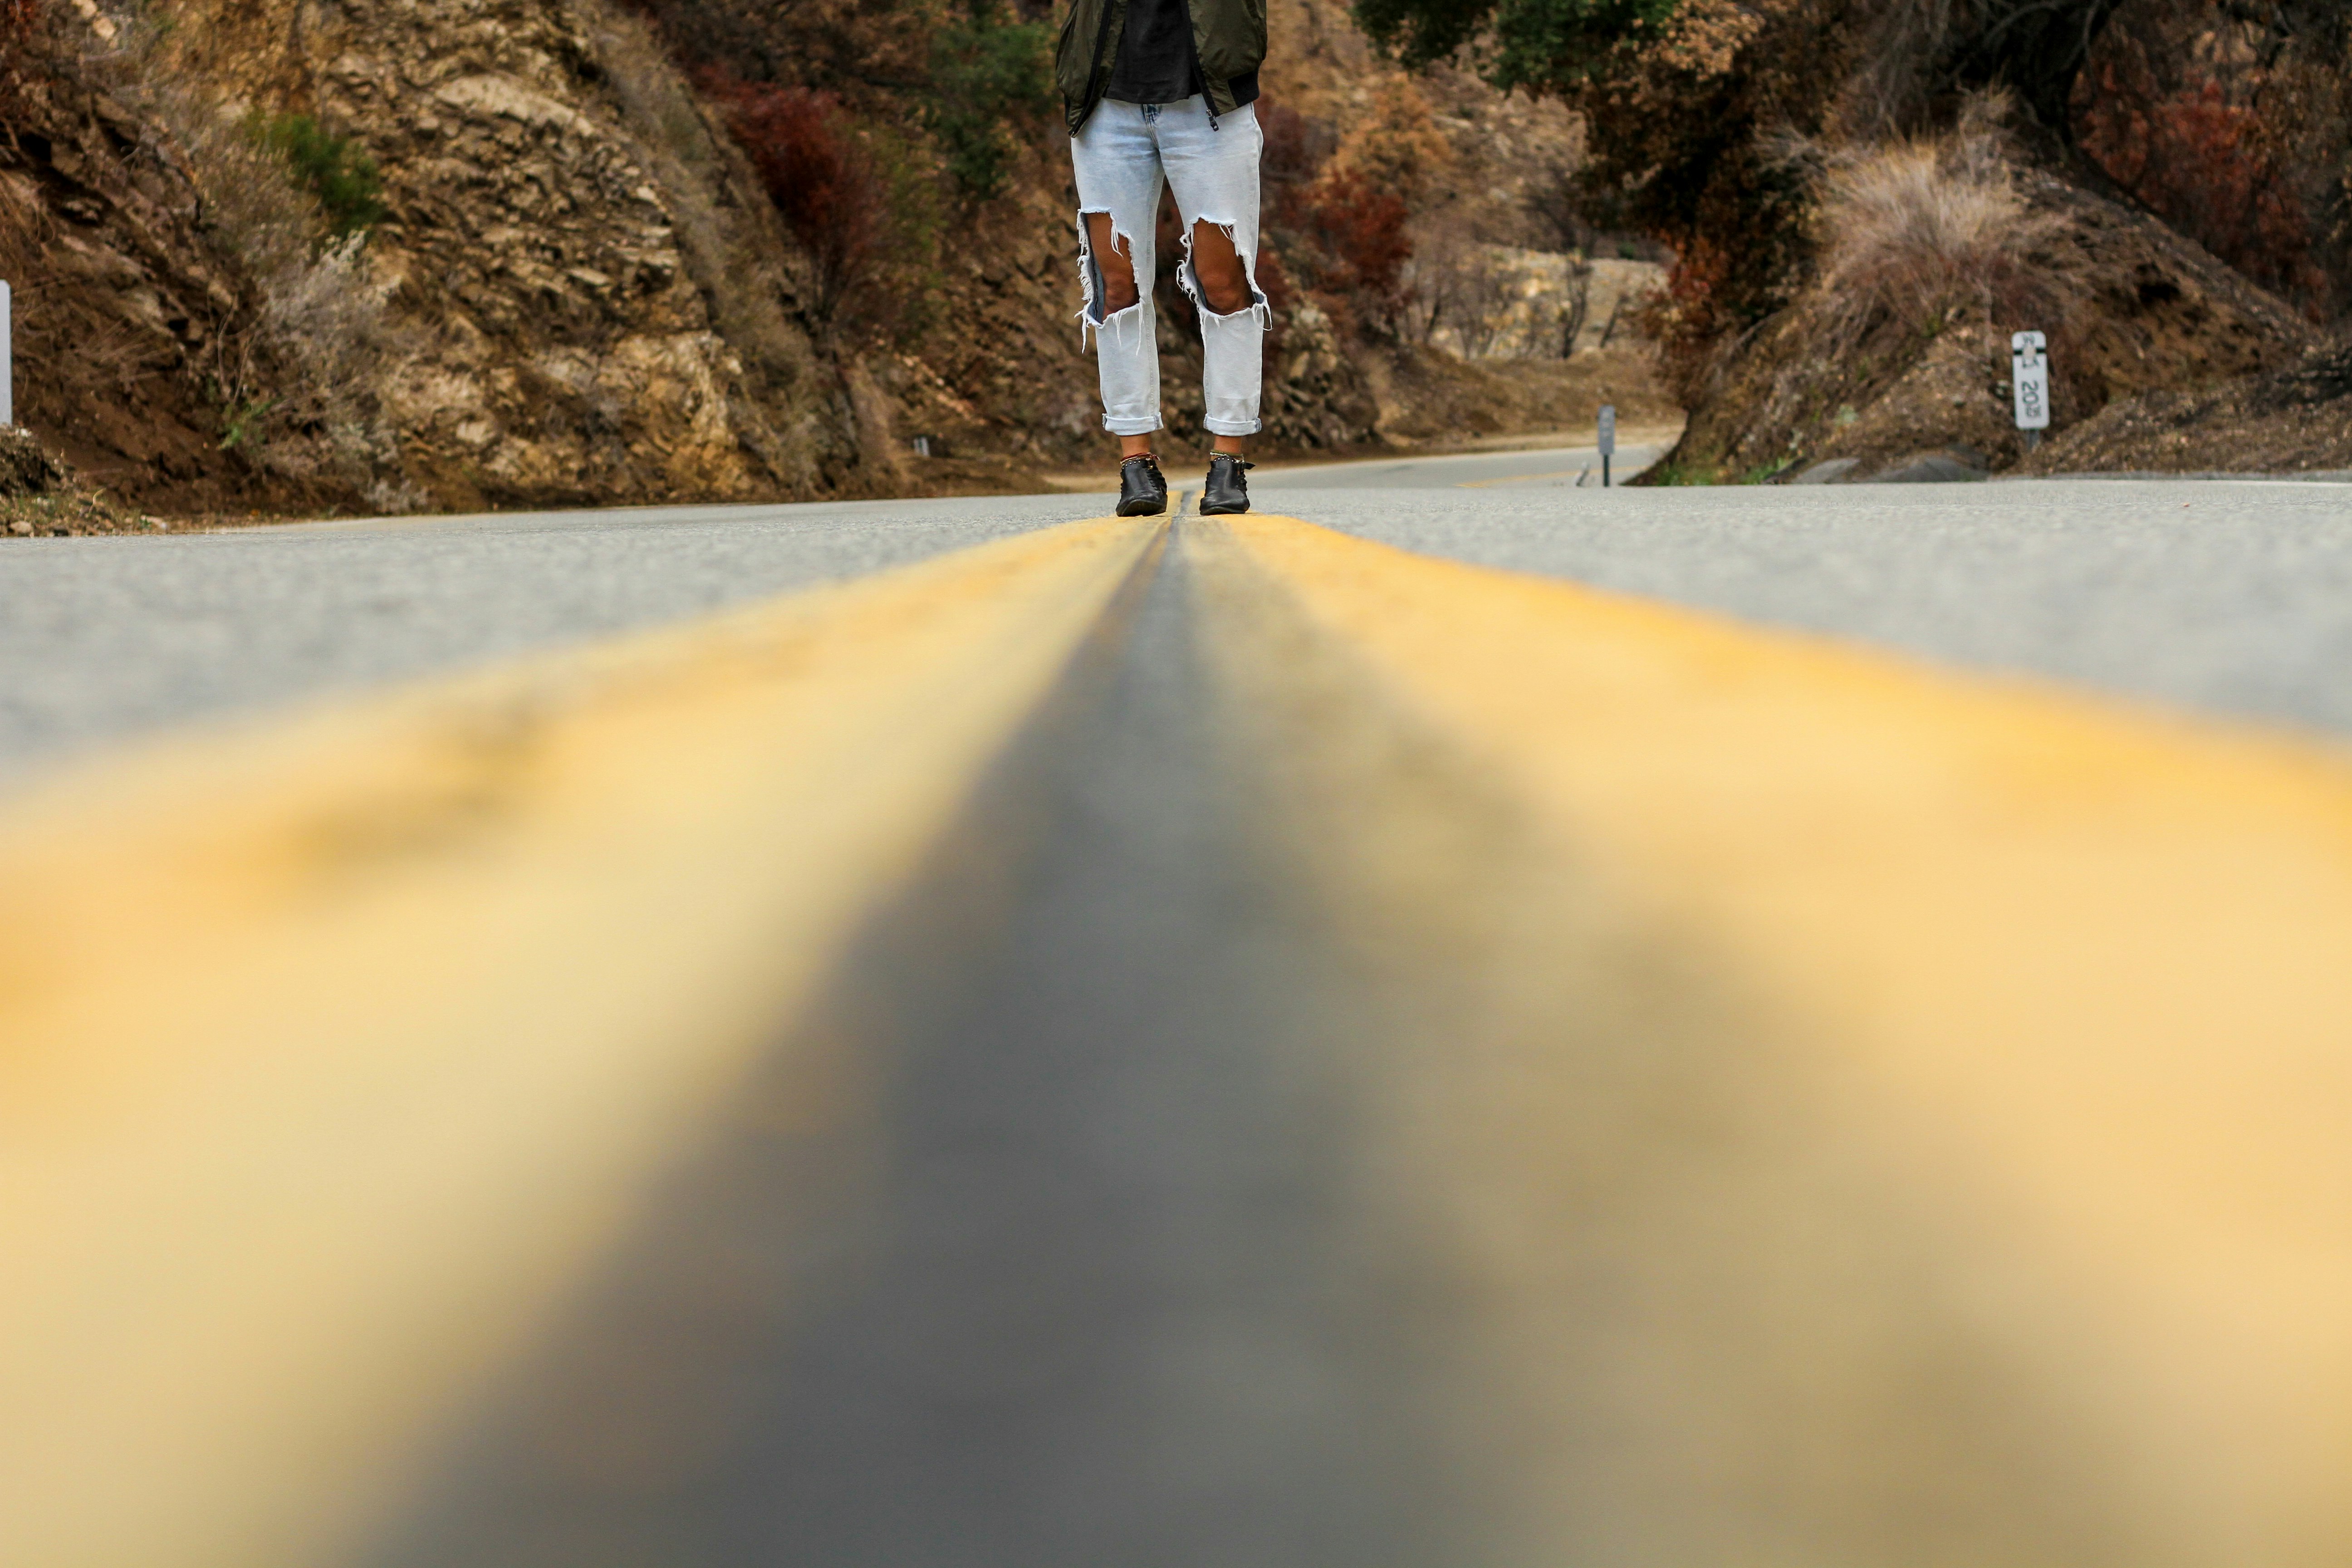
(2177,223)
(1437,399)
(129,319)
(591,297)
(2297,420)
(570,290)
(40,496)
(572,283)
(2132,307)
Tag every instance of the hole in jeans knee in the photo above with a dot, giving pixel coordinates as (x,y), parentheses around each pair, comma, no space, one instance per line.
(1223,278)
(1106,265)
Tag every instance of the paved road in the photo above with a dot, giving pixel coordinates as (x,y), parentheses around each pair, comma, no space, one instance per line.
(1230,1045)
(2228,597)
(2234,597)
(1150,1214)
(1559,468)
(98,642)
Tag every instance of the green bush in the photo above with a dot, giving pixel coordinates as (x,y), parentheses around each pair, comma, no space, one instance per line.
(336,170)
(1544,44)
(987,74)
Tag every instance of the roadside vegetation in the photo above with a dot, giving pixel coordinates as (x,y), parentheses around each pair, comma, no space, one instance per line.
(333,171)
(840,261)
(41,497)
(262,334)
(1863,198)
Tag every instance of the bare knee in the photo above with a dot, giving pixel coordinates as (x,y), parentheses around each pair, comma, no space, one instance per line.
(1224,280)
(1115,263)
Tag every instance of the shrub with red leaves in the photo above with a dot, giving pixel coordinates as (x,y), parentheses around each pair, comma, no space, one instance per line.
(824,184)
(1687,318)
(19,21)
(1362,232)
(1351,247)
(1296,146)
(2211,168)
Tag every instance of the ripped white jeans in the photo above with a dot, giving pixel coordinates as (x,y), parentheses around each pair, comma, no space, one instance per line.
(1120,155)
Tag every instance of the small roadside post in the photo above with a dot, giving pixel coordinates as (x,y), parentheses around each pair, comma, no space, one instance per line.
(7,360)
(1608,439)
(2029,383)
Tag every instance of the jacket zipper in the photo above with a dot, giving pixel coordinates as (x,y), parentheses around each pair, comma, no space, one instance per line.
(1192,53)
(1094,82)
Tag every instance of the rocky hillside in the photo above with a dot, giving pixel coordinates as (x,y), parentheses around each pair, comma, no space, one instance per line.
(567,288)
(129,320)
(2298,419)
(395,254)
(1920,374)
(587,298)
(390,254)
(1508,313)
(2168,197)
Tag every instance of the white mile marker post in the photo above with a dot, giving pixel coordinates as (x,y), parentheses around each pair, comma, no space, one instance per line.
(1608,439)
(7,360)
(2029,383)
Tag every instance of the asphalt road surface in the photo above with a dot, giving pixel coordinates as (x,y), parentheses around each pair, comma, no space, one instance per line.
(2232,596)
(1558,468)
(1232,1044)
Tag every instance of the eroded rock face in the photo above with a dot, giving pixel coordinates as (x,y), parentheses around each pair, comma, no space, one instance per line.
(580,294)
(1315,396)
(123,314)
(564,235)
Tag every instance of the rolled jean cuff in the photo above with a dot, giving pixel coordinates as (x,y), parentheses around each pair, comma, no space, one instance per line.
(1145,424)
(1233,427)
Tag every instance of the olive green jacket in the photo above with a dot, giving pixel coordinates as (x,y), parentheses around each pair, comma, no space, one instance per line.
(1228,40)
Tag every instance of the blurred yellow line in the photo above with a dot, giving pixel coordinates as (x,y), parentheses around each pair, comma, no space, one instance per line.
(332,1049)
(2080,973)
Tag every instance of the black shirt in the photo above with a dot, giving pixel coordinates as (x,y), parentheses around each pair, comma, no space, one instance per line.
(1155,58)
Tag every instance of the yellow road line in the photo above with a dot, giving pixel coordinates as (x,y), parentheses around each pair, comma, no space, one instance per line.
(2072,978)
(334,1049)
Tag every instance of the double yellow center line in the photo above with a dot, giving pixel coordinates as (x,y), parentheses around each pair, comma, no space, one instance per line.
(334,1050)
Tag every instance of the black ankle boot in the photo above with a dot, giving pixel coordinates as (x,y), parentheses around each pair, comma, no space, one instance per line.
(1226,491)
(1141,489)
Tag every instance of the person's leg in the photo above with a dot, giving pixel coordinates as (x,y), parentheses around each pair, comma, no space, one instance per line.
(1213,167)
(1113,291)
(1117,163)
(1228,297)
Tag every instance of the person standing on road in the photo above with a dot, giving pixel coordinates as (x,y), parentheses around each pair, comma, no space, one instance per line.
(1154,90)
